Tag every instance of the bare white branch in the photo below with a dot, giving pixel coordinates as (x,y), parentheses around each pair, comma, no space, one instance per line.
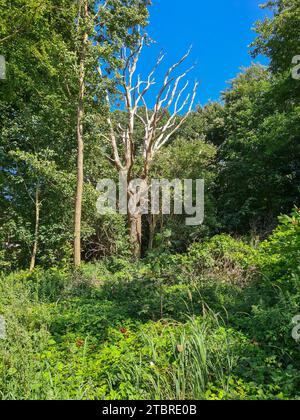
(160,123)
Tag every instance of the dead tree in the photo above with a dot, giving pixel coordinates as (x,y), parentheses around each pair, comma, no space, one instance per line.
(159,124)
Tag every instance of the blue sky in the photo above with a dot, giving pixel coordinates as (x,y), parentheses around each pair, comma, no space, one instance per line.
(219,30)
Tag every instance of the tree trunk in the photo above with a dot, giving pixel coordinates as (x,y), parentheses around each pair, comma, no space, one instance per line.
(80,143)
(37,227)
(152,227)
(135,221)
(135,226)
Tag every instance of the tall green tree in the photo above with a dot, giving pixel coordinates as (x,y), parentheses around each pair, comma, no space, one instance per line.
(38,110)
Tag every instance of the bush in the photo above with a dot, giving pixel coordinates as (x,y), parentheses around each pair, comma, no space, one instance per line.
(225,258)
(282,249)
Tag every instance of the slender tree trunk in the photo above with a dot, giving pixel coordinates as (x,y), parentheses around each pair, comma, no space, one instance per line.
(37,228)
(80,143)
(152,219)
(135,226)
(152,228)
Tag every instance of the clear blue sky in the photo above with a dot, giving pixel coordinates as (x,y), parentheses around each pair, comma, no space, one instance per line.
(219,30)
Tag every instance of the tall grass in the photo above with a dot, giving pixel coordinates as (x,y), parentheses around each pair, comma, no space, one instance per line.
(199,354)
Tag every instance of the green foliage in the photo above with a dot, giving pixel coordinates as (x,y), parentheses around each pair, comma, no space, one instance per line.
(258,162)
(283,247)
(259,171)
(212,324)
(186,158)
(278,37)
(225,251)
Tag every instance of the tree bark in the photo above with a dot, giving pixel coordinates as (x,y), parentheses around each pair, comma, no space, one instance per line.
(80,143)
(152,227)
(37,228)
(135,226)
